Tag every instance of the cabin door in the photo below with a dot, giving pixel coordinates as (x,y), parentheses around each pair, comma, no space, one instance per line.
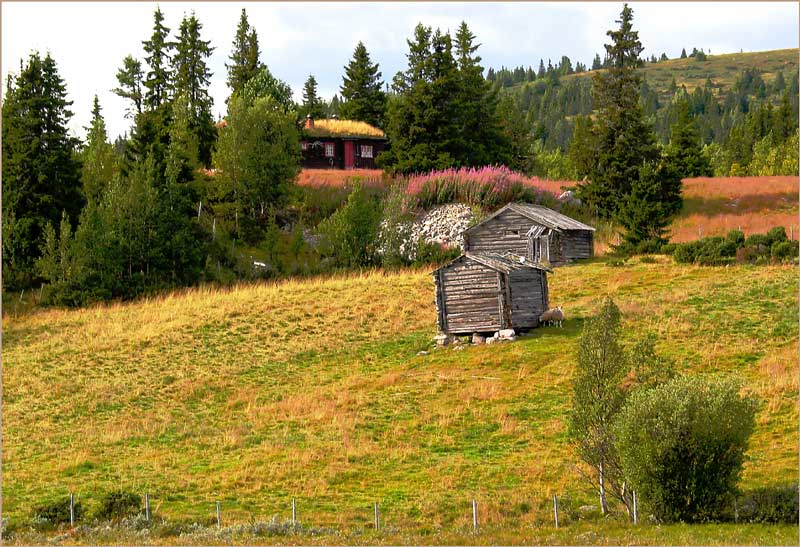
(349,154)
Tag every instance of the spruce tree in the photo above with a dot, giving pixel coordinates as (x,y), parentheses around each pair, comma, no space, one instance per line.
(625,140)
(684,152)
(41,171)
(245,63)
(130,85)
(541,72)
(99,160)
(192,78)
(362,89)
(312,105)
(158,77)
(683,53)
(482,141)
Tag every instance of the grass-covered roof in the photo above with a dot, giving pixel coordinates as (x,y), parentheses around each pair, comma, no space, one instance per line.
(342,128)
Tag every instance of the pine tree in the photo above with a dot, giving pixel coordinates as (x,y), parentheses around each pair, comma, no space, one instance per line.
(683,53)
(158,78)
(312,105)
(40,168)
(192,78)
(245,63)
(597,63)
(99,160)
(130,85)
(663,57)
(362,94)
(625,140)
(541,72)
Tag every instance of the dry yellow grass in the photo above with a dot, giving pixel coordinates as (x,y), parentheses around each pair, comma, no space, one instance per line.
(314,389)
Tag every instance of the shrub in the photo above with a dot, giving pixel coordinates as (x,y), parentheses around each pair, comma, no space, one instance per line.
(756,240)
(669,248)
(682,446)
(776,235)
(55,512)
(748,255)
(118,503)
(686,252)
(769,505)
(395,230)
(489,187)
(784,250)
(736,237)
(434,253)
(349,236)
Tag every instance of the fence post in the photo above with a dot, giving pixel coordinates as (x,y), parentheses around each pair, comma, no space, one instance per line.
(735,511)
(635,509)
(791,232)
(147,506)
(377,522)
(219,517)
(294,512)
(555,509)
(699,230)
(475,515)
(71,509)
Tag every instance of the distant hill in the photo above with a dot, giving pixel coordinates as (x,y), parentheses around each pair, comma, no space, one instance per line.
(723,69)
(722,90)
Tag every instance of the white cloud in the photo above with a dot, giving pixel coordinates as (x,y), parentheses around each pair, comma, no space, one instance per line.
(89,40)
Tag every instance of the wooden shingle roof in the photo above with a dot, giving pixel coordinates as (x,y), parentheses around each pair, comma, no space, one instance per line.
(540,214)
(501,263)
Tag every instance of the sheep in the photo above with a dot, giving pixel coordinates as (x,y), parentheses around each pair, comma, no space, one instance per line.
(553,316)
(558,317)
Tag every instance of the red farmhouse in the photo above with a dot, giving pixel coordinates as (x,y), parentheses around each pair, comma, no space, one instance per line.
(340,144)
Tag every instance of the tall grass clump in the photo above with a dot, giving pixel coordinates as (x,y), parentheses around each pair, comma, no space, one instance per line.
(490,187)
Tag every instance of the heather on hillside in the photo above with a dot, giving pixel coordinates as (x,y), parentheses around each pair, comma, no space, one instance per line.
(489,187)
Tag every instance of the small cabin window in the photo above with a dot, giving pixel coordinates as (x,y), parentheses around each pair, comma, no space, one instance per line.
(329,150)
(512,232)
(304,145)
(366,150)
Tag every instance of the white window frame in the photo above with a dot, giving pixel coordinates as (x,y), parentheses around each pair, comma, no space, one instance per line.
(366,148)
(330,147)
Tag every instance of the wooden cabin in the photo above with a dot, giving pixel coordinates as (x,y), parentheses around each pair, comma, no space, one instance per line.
(486,292)
(533,231)
(340,144)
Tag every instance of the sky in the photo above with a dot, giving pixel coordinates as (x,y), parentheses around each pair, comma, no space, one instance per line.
(88,40)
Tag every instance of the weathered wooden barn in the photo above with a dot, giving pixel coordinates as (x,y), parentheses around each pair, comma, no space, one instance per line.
(533,231)
(340,144)
(486,292)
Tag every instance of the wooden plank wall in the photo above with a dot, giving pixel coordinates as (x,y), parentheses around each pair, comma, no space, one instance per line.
(577,244)
(496,235)
(470,296)
(527,298)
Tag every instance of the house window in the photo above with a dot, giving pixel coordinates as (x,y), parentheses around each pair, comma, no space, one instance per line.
(512,232)
(304,145)
(366,150)
(329,150)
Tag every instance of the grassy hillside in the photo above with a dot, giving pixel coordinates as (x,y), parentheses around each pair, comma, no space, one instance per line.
(722,69)
(316,389)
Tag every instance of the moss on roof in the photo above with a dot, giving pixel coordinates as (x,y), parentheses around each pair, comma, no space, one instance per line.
(342,128)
